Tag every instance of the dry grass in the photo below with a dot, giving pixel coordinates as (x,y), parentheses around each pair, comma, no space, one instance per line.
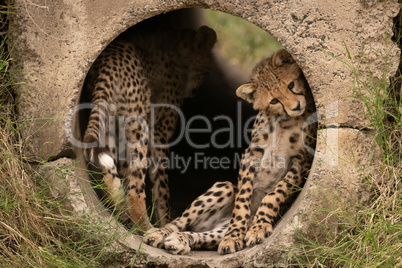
(35,229)
(370,236)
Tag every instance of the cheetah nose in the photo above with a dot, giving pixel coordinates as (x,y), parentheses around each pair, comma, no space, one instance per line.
(297,107)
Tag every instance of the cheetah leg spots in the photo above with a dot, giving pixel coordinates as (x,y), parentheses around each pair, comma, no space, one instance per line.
(208,209)
(137,211)
(136,133)
(258,233)
(230,245)
(233,240)
(177,243)
(136,199)
(211,209)
(157,170)
(184,242)
(160,188)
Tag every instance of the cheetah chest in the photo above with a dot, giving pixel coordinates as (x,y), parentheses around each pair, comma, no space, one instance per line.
(283,143)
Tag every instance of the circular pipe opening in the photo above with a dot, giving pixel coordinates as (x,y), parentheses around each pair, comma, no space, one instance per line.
(193,170)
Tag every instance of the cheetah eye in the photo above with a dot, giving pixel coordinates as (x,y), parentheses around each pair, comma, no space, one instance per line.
(274,101)
(291,85)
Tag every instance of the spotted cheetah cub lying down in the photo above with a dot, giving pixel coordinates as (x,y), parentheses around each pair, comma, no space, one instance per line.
(273,167)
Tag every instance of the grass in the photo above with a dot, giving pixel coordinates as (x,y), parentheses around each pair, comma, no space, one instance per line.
(36,229)
(369,236)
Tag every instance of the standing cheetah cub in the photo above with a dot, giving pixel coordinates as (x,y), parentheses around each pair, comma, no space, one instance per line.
(161,67)
(273,167)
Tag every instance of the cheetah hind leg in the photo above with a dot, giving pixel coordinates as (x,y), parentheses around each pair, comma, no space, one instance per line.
(205,213)
(183,242)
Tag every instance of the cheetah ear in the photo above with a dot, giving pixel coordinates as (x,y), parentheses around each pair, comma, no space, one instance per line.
(281,57)
(205,38)
(246,92)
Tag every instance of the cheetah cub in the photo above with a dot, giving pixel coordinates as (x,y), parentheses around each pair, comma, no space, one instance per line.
(273,167)
(126,136)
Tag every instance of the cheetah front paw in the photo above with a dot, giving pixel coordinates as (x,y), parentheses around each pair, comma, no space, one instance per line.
(155,237)
(258,233)
(230,245)
(177,243)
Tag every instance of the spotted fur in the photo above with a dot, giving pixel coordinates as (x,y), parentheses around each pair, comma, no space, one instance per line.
(273,168)
(161,67)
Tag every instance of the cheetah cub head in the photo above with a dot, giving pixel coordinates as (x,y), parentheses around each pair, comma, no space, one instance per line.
(277,85)
(196,54)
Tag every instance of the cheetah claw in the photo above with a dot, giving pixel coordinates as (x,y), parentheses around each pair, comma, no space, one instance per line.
(257,234)
(230,245)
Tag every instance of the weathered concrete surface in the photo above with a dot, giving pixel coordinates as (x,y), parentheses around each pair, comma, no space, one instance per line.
(342,154)
(55,42)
